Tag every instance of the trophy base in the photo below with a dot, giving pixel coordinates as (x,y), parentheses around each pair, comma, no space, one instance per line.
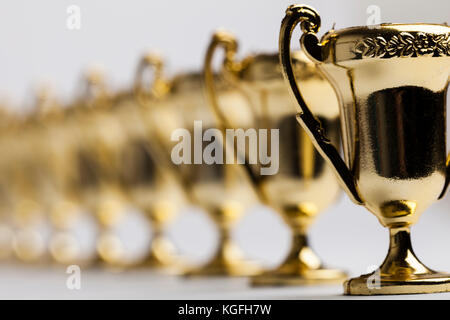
(301,267)
(433,282)
(152,262)
(304,277)
(228,261)
(219,268)
(400,273)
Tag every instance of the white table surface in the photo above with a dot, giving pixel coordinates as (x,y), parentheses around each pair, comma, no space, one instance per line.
(26,282)
(346,237)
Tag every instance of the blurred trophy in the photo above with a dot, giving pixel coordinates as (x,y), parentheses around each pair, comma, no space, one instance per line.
(100,139)
(74,228)
(26,173)
(8,221)
(145,175)
(392,81)
(222,190)
(295,180)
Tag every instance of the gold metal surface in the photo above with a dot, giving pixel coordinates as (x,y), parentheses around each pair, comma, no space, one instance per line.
(221,190)
(296,190)
(392,82)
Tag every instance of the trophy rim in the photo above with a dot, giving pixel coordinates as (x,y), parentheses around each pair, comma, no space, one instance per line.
(400,27)
(387,40)
(265,69)
(192,82)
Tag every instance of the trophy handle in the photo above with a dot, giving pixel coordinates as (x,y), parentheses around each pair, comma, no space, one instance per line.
(447,173)
(159,86)
(229,43)
(309,21)
(93,86)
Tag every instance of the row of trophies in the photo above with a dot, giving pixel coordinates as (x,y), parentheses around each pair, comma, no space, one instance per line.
(379,91)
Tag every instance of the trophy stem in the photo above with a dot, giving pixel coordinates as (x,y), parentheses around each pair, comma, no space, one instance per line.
(228,259)
(401,261)
(162,252)
(400,273)
(300,256)
(227,252)
(300,267)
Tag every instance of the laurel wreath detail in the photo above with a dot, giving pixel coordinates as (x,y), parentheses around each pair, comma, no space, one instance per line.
(404,45)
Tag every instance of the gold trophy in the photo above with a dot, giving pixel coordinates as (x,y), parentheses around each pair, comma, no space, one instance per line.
(296,189)
(27,187)
(24,223)
(7,123)
(392,81)
(74,228)
(100,141)
(222,190)
(46,218)
(145,174)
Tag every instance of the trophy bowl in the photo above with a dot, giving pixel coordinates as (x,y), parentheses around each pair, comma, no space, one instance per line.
(391,80)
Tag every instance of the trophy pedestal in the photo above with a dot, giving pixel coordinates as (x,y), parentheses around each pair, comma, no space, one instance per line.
(226,262)
(299,278)
(400,273)
(432,282)
(301,267)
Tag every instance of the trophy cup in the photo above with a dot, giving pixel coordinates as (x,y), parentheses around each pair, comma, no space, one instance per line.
(296,189)
(392,81)
(222,190)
